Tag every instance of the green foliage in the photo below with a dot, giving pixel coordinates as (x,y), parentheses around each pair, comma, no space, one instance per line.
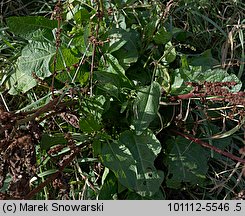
(34,58)
(131,158)
(187,163)
(146,106)
(196,74)
(27,26)
(108,89)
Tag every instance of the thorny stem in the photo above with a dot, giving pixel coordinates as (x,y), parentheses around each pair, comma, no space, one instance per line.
(206,145)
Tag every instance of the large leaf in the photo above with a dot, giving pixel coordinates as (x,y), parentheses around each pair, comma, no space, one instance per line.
(163,77)
(81,16)
(219,75)
(121,40)
(89,124)
(118,38)
(114,66)
(196,74)
(129,53)
(162,36)
(25,26)
(146,106)
(131,158)
(112,78)
(187,162)
(49,140)
(108,82)
(109,188)
(64,60)
(34,58)
(93,107)
(149,29)
(169,53)
(205,59)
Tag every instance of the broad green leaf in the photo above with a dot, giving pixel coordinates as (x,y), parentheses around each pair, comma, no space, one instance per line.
(81,39)
(65,58)
(149,29)
(121,3)
(118,20)
(205,59)
(6,184)
(162,36)
(180,34)
(96,147)
(82,76)
(219,75)
(129,53)
(131,158)
(146,106)
(65,61)
(184,62)
(196,74)
(163,77)
(211,131)
(109,187)
(114,66)
(75,12)
(82,16)
(48,140)
(35,58)
(178,86)
(108,82)
(112,78)
(41,35)
(187,162)
(79,137)
(93,106)
(89,124)
(220,143)
(107,77)
(118,38)
(169,53)
(25,26)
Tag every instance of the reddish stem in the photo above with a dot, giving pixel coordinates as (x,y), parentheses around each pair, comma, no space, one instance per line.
(206,145)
